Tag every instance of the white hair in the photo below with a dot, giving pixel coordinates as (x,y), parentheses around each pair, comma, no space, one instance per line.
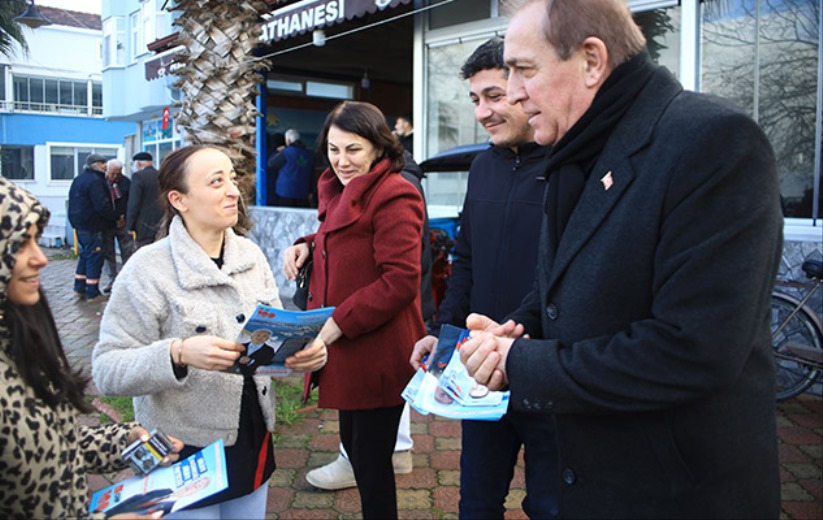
(292,135)
(114,163)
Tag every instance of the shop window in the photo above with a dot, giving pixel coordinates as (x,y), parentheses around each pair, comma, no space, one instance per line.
(459,11)
(765,55)
(17,162)
(159,141)
(661,27)
(449,111)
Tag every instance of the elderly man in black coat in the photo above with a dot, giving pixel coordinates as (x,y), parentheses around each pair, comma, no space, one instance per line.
(144,211)
(648,333)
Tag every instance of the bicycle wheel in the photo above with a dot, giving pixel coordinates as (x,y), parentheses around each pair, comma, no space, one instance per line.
(793,377)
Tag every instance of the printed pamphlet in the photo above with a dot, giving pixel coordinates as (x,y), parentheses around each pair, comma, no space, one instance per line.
(167,488)
(272,335)
(444,387)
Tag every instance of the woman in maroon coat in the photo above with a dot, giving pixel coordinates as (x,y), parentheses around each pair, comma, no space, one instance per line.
(366,256)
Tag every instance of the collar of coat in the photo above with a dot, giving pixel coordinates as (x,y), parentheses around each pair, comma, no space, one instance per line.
(341,205)
(195,269)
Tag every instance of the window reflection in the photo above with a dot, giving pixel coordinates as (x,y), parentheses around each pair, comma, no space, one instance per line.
(764,55)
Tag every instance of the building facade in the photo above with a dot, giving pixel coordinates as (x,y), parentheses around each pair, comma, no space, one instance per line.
(51,110)
(405,55)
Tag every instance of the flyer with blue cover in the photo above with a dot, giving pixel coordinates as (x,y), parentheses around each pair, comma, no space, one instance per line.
(272,335)
(167,488)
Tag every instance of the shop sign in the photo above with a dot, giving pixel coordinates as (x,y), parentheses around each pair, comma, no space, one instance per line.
(161,65)
(308,15)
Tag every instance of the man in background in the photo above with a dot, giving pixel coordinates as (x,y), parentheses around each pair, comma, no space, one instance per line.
(290,172)
(144,211)
(119,186)
(404,129)
(91,212)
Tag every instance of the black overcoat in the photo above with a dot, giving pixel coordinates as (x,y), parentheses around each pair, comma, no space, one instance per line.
(651,319)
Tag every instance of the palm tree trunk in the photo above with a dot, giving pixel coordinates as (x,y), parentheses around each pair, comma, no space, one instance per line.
(219,81)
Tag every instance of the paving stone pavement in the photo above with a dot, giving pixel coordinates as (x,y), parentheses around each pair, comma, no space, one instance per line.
(431,491)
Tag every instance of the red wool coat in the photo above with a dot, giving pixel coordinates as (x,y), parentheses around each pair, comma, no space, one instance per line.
(367,264)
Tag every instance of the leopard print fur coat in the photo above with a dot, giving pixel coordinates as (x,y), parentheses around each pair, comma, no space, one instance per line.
(45,454)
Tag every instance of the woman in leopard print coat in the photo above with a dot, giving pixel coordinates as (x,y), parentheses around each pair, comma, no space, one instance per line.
(45,455)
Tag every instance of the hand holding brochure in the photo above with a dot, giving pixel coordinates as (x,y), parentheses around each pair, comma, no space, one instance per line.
(168,488)
(445,388)
(273,335)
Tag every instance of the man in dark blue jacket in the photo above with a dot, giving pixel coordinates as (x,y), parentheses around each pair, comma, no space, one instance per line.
(290,174)
(494,267)
(91,212)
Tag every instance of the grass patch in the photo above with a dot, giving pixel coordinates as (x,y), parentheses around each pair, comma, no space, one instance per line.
(289,400)
(122,405)
(288,392)
(61,254)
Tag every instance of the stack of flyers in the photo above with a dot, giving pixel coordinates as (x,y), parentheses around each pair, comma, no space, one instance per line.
(445,388)
(168,488)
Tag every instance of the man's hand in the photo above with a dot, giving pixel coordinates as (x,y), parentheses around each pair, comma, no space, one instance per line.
(484,356)
(479,322)
(422,348)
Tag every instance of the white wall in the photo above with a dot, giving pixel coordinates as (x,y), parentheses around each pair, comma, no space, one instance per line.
(59,51)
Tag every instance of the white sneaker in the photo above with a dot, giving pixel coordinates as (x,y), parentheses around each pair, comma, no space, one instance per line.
(402,461)
(335,475)
(340,475)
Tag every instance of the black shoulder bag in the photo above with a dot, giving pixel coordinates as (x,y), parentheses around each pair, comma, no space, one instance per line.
(301,293)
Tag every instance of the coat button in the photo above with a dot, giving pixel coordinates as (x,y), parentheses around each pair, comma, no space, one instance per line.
(568,476)
(311,296)
(200,329)
(551,311)
(323,253)
(240,318)
(527,404)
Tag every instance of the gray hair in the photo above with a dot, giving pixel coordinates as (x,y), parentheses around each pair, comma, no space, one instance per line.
(114,163)
(292,135)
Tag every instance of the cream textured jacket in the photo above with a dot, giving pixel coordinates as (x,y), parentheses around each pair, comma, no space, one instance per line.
(168,290)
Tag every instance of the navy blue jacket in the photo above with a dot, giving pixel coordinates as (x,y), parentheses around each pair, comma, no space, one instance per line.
(496,250)
(293,168)
(90,205)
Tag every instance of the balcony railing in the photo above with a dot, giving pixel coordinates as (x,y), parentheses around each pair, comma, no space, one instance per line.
(51,108)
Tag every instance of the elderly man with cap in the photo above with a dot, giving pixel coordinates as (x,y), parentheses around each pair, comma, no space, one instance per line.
(91,212)
(144,211)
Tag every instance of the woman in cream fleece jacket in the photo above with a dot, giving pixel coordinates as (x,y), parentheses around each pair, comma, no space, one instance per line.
(170,327)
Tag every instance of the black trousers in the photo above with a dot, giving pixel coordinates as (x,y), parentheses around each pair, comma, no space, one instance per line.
(369,437)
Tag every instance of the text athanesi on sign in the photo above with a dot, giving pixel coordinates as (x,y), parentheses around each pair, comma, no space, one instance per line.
(308,15)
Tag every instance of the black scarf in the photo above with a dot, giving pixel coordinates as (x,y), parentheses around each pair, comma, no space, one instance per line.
(573,158)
